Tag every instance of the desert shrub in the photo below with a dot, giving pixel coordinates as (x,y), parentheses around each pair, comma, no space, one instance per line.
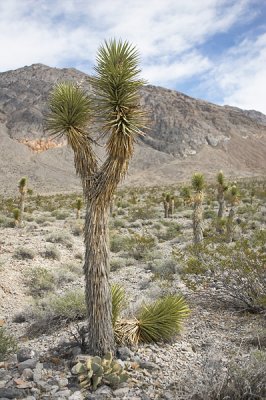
(118,223)
(24,253)
(243,378)
(60,237)
(209,214)
(238,271)
(163,269)
(172,231)
(40,280)
(116,263)
(143,213)
(6,222)
(118,243)
(52,253)
(74,268)
(140,245)
(77,229)
(8,344)
(60,214)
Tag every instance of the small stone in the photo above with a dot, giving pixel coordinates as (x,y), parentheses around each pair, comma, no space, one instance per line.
(26,353)
(124,353)
(62,394)
(103,390)
(37,373)
(62,382)
(27,374)
(121,392)
(28,364)
(148,365)
(76,396)
(75,351)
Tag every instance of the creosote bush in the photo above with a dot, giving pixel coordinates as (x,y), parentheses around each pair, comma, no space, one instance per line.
(8,344)
(24,253)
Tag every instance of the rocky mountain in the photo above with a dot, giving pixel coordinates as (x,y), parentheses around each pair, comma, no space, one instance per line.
(185,135)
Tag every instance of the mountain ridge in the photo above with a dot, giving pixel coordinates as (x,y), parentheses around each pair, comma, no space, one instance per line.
(185,133)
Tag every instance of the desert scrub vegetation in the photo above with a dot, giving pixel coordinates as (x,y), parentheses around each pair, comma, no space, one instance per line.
(170,231)
(24,253)
(39,281)
(8,344)
(52,253)
(61,238)
(238,271)
(242,378)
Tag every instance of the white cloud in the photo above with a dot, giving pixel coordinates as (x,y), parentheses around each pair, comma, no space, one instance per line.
(168,34)
(240,75)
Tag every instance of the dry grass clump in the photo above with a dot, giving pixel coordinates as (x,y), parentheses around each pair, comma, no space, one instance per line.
(24,253)
(61,238)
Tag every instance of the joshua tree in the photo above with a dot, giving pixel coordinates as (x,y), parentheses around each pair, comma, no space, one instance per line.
(172,206)
(116,107)
(22,190)
(221,189)
(198,186)
(233,200)
(185,193)
(78,207)
(166,204)
(16,215)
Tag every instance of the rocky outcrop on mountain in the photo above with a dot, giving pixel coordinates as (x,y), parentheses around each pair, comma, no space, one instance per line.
(185,134)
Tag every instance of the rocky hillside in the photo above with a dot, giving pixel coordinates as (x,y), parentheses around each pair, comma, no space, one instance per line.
(185,135)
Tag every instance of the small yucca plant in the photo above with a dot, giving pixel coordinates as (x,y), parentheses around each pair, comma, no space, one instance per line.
(78,206)
(16,215)
(154,322)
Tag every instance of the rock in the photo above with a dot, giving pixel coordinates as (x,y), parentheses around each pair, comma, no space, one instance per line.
(37,373)
(28,364)
(13,393)
(62,382)
(75,351)
(26,353)
(121,392)
(62,394)
(27,374)
(124,353)
(148,365)
(76,396)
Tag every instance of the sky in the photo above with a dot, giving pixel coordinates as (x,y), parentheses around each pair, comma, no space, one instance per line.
(209,49)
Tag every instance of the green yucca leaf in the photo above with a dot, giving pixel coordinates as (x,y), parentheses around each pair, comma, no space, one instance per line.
(116,87)
(118,301)
(198,182)
(69,108)
(162,319)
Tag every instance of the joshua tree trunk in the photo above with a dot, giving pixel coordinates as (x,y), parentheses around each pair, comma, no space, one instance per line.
(197,223)
(100,337)
(172,207)
(230,225)
(78,214)
(166,209)
(22,207)
(220,199)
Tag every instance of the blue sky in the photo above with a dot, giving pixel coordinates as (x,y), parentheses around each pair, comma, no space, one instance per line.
(209,49)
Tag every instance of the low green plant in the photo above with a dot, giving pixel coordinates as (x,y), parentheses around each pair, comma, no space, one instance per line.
(24,253)
(96,370)
(52,253)
(40,280)
(60,237)
(8,344)
(118,301)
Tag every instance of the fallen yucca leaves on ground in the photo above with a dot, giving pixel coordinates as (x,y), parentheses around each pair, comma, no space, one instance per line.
(154,322)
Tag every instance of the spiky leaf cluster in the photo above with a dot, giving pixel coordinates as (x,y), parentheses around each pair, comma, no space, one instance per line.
(198,182)
(116,87)
(22,185)
(69,109)
(78,204)
(154,322)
